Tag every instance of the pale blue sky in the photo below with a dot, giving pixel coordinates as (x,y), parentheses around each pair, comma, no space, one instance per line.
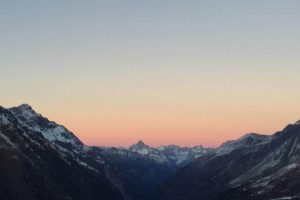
(148,57)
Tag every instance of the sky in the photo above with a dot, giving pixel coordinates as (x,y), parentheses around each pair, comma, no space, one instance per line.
(162,71)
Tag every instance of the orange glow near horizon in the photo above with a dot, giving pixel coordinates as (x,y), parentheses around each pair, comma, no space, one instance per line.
(161,114)
(158,135)
(185,130)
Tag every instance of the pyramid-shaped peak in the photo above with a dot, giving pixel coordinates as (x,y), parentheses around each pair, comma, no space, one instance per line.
(140,147)
(139,144)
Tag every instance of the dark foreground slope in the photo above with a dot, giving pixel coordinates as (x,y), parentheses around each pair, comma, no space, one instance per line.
(35,167)
(252,167)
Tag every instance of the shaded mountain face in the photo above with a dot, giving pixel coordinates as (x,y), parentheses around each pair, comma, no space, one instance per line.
(252,167)
(143,168)
(140,174)
(42,160)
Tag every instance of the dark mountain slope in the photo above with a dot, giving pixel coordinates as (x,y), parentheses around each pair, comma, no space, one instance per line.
(32,167)
(282,178)
(255,166)
(140,174)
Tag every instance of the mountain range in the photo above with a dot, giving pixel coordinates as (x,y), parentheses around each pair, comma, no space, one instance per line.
(40,159)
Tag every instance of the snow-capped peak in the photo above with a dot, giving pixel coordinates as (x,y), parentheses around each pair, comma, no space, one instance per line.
(36,122)
(25,111)
(140,147)
(139,144)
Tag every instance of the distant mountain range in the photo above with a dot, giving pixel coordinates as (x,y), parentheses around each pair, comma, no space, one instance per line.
(40,159)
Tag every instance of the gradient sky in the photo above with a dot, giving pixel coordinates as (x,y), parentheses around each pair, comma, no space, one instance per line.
(164,71)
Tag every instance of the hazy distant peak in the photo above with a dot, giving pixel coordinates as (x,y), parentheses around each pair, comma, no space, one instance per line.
(140,142)
(140,145)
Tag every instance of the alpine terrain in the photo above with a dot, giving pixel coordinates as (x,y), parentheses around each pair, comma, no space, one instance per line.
(40,159)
